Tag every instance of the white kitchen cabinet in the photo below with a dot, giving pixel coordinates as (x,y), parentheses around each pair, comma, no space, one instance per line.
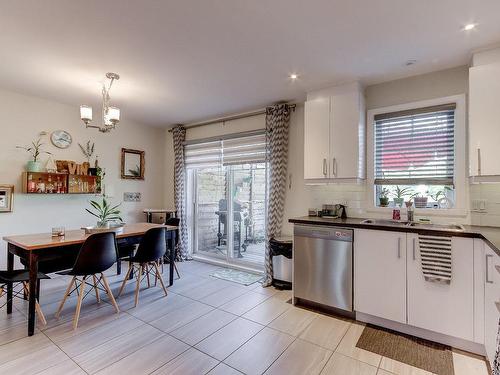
(316,138)
(380,274)
(484,119)
(334,134)
(492,302)
(439,307)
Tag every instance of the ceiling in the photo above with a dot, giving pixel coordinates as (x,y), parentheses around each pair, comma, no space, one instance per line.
(187,60)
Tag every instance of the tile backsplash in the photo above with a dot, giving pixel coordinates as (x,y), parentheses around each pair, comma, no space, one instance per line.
(485,204)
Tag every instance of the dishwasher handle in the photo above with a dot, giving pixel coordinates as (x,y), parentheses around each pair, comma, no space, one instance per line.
(328,233)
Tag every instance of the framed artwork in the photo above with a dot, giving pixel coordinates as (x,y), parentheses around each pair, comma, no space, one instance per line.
(6,198)
(132,164)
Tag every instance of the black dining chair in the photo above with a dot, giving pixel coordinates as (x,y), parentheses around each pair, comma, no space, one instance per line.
(97,254)
(145,261)
(21,277)
(173,221)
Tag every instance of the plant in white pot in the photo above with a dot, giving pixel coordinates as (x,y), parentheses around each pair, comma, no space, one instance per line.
(35,150)
(105,213)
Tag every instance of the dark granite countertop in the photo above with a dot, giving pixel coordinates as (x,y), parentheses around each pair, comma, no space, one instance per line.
(491,235)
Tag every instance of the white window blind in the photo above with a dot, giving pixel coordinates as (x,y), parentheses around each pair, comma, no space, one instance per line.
(415,147)
(229,151)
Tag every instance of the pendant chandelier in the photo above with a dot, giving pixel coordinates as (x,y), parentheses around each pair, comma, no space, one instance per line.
(110,115)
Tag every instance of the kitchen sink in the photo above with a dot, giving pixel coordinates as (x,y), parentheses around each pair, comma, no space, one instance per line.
(395,223)
(385,222)
(447,227)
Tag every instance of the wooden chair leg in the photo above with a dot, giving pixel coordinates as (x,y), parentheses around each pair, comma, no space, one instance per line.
(39,312)
(110,293)
(66,294)
(147,274)
(1,291)
(160,278)
(130,268)
(138,285)
(96,289)
(176,271)
(79,303)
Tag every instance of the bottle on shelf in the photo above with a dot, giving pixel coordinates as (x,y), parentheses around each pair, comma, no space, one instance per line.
(31,184)
(40,186)
(49,188)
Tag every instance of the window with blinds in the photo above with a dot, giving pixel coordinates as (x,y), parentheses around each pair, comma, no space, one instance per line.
(415,147)
(228,151)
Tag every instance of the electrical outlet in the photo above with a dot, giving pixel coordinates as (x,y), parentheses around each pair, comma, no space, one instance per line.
(479,205)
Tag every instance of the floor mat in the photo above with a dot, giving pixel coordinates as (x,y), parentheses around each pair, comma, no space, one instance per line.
(236,276)
(427,355)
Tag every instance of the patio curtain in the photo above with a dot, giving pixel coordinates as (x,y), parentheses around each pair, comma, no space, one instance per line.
(179,136)
(277,124)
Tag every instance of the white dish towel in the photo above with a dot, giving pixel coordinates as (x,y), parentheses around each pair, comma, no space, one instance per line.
(435,258)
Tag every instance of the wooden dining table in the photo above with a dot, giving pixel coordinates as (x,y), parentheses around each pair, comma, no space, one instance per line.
(35,248)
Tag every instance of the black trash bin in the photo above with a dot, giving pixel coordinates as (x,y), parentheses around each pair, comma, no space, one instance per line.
(281,255)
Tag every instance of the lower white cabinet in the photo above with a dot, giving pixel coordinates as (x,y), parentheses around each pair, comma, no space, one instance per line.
(380,274)
(440,307)
(491,302)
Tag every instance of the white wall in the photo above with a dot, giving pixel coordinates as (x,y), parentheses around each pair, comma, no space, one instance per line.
(23,117)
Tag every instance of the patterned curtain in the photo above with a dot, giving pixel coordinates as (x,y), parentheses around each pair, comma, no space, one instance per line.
(179,136)
(496,363)
(277,124)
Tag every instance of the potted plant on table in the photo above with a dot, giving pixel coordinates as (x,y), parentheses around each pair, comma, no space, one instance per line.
(35,150)
(105,213)
(400,194)
(383,197)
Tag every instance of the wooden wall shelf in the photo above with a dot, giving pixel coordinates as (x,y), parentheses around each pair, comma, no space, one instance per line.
(60,183)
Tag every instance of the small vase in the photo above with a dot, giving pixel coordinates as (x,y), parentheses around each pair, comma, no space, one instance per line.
(34,166)
(93,171)
(399,201)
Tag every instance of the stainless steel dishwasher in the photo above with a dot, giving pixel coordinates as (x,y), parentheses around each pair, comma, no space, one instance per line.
(323,268)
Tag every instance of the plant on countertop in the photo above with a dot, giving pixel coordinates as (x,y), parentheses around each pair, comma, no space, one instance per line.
(104,212)
(35,150)
(88,150)
(384,197)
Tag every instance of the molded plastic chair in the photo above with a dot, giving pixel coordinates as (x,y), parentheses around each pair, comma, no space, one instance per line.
(21,277)
(97,254)
(145,261)
(174,221)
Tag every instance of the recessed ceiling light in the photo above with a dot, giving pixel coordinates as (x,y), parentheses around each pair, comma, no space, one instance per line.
(294,76)
(470,26)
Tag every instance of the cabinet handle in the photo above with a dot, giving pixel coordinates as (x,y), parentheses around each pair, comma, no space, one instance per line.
(488,256)
(414,255)
(334,167)
(399,247)
(479,161)
(325,171)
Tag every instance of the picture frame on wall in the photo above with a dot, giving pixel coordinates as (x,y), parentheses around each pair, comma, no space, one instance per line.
(132,165)
(6,198)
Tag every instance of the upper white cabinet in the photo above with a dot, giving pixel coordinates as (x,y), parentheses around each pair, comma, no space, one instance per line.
(380,274)
(334,134)
(440,307)
(484,119)
(491,302)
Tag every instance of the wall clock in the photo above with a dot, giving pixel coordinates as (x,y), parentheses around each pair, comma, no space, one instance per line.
(61,138)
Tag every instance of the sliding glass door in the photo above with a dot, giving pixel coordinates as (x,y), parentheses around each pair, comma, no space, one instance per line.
(228,200)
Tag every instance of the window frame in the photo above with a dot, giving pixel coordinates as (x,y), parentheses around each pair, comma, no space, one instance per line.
(460,163)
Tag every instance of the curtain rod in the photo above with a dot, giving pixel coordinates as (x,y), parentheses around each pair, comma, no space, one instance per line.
(230,118)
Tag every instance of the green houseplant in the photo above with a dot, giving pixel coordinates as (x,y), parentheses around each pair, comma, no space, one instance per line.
(401,193)
(383,197)
(105,213)
(35,150)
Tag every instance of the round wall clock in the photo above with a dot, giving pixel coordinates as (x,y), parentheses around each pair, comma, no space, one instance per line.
(61,138)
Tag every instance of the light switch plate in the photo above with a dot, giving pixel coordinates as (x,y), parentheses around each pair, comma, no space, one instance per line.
(479,205)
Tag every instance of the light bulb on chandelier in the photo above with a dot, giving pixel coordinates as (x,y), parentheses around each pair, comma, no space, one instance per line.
(110,114)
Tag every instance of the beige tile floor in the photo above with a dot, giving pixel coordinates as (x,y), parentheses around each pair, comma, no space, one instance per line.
(204,326)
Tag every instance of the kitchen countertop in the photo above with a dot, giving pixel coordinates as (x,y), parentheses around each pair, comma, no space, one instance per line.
(491,235)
